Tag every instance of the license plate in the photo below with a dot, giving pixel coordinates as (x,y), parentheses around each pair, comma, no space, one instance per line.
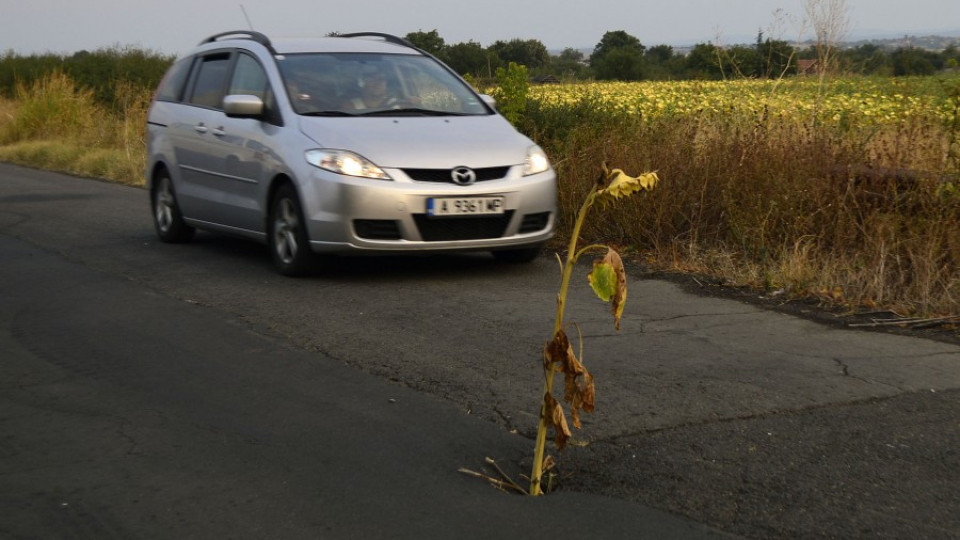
(464,206)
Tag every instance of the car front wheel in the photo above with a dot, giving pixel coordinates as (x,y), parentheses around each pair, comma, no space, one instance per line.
(287,234)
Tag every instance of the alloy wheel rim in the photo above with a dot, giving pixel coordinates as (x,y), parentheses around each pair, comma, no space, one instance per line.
(164,206)
(285,227)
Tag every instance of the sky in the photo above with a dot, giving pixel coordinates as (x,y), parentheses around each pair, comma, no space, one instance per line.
(175,26)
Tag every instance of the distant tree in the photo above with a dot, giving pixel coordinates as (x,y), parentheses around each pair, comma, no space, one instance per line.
(660,54)
(470,57)
(428,41)
(569,63)
(866,59)
(618,56)
(619,64)
(951,56)
(913,61)
(660,63)
(525,52)
(740,61)
(775,58)
(617,39)
(703,62)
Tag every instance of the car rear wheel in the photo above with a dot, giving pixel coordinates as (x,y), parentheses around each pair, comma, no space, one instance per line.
(517,256)
(287,234)
(167,219)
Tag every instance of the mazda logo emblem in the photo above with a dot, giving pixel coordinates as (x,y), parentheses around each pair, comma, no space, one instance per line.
(463,176)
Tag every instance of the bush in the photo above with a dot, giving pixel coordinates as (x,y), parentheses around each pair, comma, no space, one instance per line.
(54,124)
(50,108)
(511,92)
(102,72)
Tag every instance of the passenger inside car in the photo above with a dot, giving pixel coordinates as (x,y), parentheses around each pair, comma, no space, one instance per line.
(373,91)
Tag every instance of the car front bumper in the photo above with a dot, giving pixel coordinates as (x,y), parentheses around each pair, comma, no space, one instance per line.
(347,214)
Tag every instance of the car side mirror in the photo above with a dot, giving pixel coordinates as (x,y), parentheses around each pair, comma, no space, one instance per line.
(243,106)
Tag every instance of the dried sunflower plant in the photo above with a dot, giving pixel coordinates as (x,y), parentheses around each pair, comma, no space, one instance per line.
(608,280)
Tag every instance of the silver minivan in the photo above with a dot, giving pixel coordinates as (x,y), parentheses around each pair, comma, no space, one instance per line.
(360,143)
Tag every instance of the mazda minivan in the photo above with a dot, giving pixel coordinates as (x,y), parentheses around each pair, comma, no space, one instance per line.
(360,143)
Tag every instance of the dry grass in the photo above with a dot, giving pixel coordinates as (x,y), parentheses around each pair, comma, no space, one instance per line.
(54,125)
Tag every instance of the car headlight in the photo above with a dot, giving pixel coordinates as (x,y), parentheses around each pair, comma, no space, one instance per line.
(536,162)
(345,162)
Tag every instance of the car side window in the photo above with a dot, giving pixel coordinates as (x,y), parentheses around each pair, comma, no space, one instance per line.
(171,87)
(210,81)
(249,78)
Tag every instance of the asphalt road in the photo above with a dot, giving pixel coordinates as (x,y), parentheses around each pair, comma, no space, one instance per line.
(150,390)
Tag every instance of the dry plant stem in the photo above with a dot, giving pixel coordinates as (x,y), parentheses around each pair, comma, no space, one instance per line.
(549,371)
(499,484)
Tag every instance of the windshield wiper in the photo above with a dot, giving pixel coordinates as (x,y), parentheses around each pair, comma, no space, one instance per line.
(411,111)
(327,113)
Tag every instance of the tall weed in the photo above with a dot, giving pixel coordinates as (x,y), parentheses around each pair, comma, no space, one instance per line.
(50,108)
(54,124)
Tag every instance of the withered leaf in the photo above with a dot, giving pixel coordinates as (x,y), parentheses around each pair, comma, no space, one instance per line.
(580,395)
(619,299)
(588,393)
(578,386)
(558,350)
(620,184)
(559,421)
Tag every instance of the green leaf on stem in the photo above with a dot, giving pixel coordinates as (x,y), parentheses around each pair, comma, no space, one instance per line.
(609,280)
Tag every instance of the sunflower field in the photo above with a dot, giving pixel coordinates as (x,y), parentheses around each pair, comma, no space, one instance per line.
(843,190)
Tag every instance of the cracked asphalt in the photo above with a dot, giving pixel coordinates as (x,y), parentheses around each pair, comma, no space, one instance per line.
(728,417)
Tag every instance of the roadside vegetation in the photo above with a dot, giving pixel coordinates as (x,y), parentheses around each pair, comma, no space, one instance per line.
(84,113)
(55,124)
(848,192)
(841,188)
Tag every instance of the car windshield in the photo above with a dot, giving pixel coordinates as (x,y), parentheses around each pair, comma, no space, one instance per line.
(365,84)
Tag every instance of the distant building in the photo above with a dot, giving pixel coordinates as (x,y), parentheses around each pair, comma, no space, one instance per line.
(546,79)
(808,67)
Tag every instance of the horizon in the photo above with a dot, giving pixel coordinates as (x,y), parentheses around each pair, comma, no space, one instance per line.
(29,27)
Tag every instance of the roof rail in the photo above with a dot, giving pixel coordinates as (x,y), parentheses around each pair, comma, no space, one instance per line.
(389,38)
(249,34)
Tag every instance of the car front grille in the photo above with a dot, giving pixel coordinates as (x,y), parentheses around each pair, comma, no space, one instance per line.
(446,175)
(462,228)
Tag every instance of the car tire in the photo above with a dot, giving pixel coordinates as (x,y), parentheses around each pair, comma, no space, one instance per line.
(517,256)
(287,233)
(167,219)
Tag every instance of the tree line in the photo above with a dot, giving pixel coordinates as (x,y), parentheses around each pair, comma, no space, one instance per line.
(621,56)
(618,56)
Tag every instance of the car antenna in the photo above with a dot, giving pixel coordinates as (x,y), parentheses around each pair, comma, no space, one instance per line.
(250,24)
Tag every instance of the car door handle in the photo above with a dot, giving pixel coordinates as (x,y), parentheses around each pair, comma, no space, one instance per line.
(219,132)
(200,128)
